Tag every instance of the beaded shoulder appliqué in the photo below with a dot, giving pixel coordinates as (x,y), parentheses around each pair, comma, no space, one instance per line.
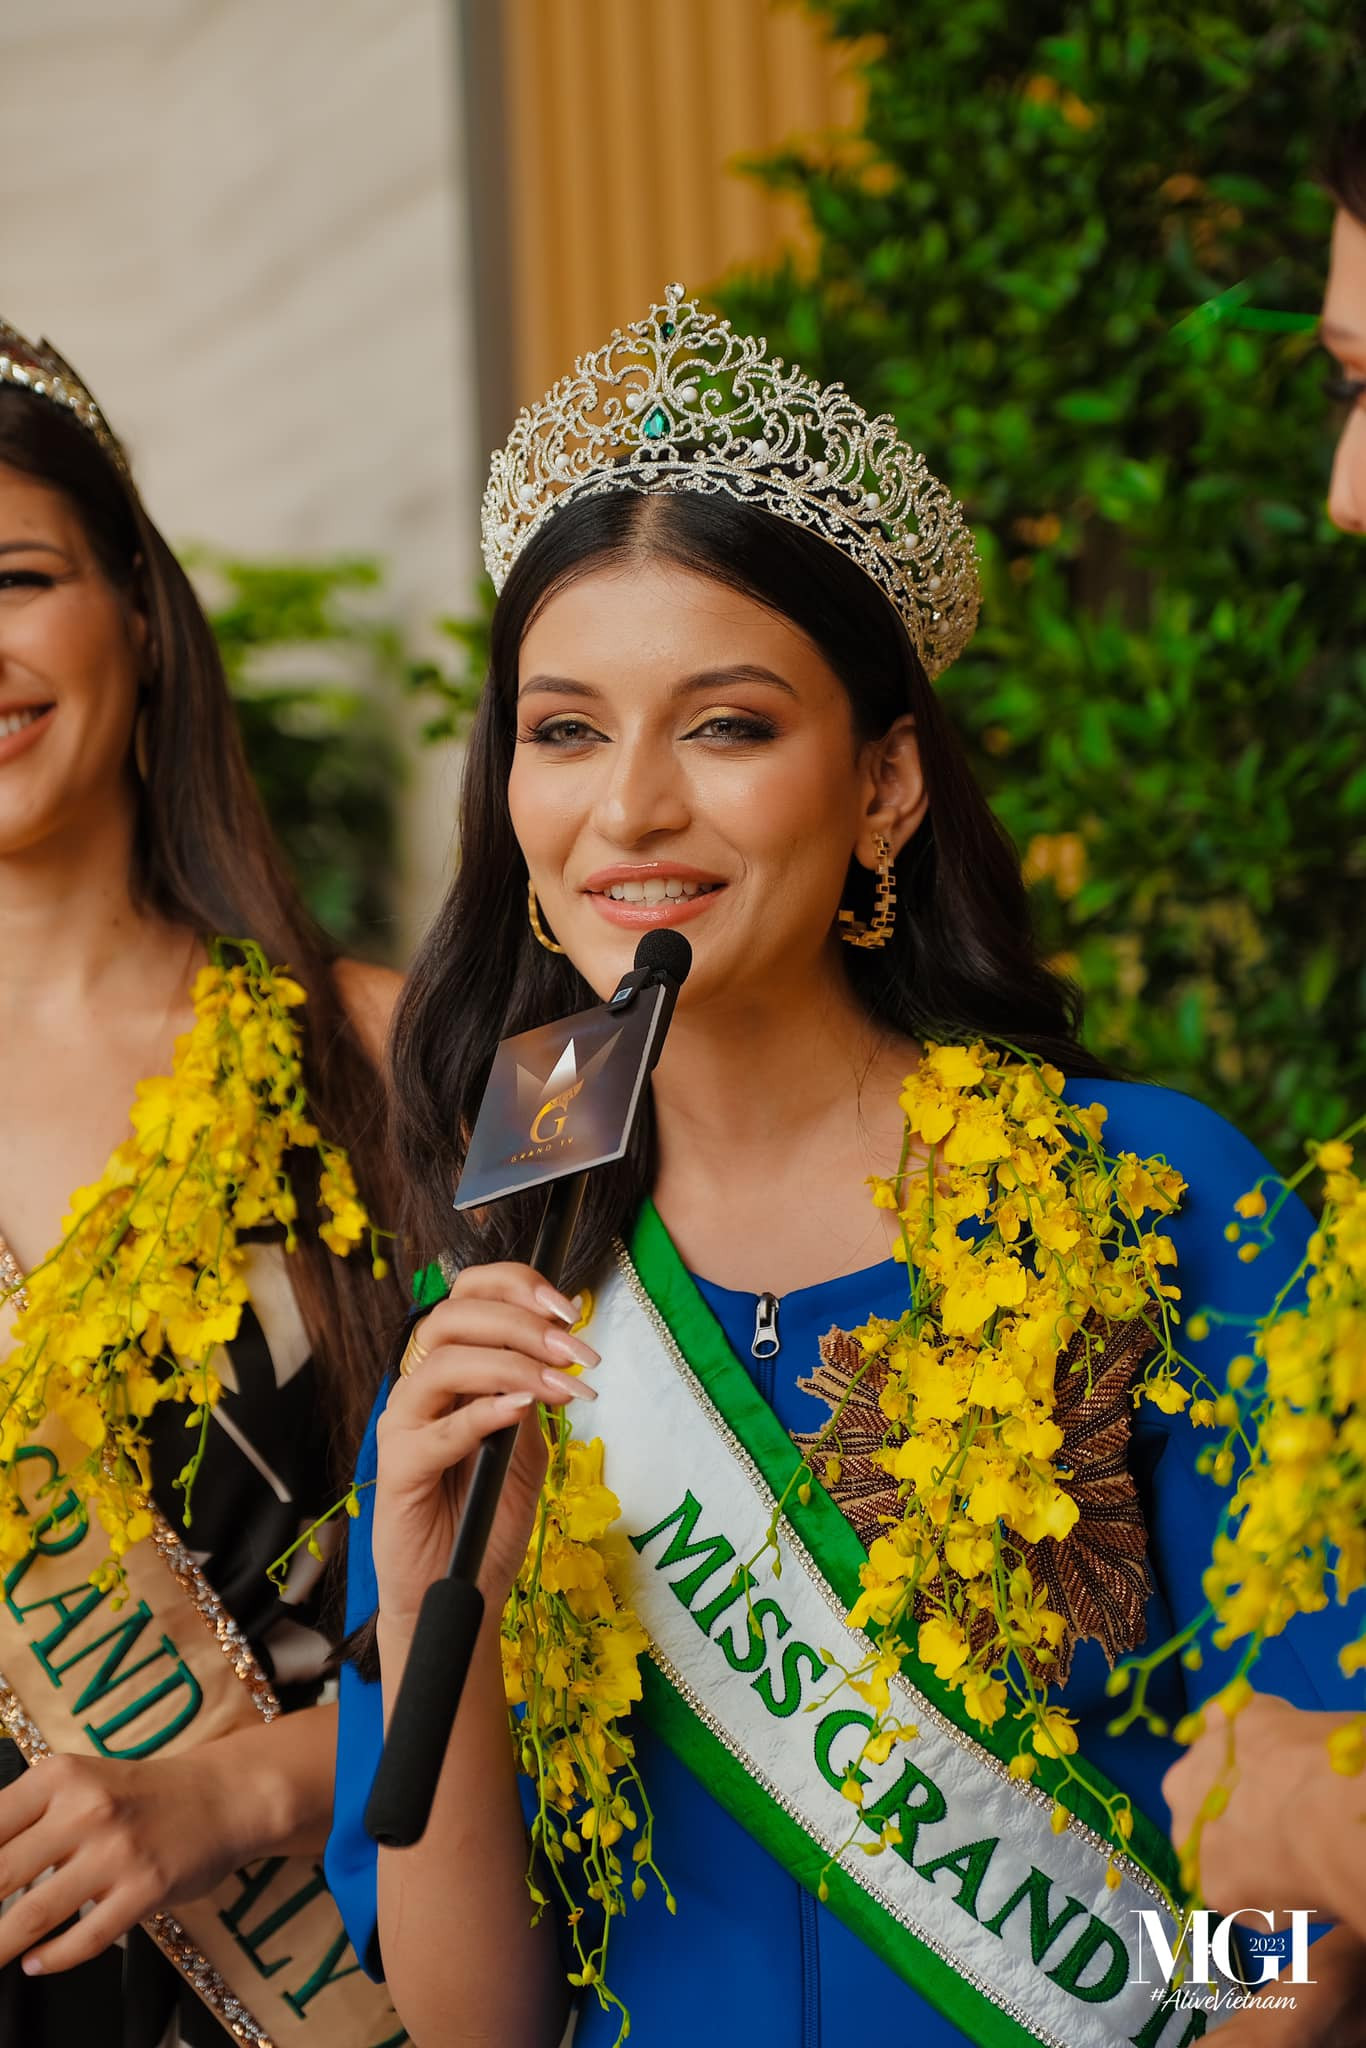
(1097,1576)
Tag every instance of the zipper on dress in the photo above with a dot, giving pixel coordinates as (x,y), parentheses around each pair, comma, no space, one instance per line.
(765,1344)
(811,1970)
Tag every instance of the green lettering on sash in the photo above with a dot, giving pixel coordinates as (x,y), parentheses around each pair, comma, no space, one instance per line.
(1043,1932)
(786,1703)
(49,1458)
(87,1599)
(757,1621)
(740,1586)
(827,1728)
(68,1509)
(254,1884)
(969,1865)
(910,1813)
(1094,1937)
(123,1637)
(1155,2026)
(325,1974)
(714,1551)
(180,1677)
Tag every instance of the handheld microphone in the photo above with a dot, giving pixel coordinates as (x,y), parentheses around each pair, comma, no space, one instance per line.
(585,1104)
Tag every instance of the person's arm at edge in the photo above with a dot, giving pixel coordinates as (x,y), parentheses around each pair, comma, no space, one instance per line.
(1289,1812)
(1328,2012)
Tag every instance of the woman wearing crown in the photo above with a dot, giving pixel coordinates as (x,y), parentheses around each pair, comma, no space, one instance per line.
(145,926)
(808,1619)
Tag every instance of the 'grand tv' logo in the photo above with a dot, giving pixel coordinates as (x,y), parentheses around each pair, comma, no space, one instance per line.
(549,1098)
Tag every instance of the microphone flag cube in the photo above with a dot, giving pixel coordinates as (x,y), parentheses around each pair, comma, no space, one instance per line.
(561,1098)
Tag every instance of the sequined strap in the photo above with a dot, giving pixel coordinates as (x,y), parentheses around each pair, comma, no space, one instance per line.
(12,1290)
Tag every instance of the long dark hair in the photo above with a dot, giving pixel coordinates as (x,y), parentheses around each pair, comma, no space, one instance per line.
(1344,173)
(204,858)
(962,963)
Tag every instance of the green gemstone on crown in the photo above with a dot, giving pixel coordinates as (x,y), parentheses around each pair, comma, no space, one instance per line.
(667,329)
(655,424)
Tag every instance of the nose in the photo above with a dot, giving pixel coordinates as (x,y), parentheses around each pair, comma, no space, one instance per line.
(1347,493)
(644,792)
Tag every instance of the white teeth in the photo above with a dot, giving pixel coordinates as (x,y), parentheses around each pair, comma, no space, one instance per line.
(657,889)
(16,721)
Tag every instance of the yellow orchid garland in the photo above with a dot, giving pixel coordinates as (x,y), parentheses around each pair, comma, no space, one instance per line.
(1292,1456)
(1297,1517)
(967,1390)
(1018,1231)
(147,1282)
(571,1670)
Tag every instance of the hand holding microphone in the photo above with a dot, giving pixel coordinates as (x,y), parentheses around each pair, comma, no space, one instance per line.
(497,1346)
(489,1353)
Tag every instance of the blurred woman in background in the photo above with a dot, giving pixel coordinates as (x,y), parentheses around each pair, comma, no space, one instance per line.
(131,839)
(1289,1809)
(1343,328)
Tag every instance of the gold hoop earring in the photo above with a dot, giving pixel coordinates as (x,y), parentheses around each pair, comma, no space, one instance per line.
(879,930)
(538,930)
(141,756)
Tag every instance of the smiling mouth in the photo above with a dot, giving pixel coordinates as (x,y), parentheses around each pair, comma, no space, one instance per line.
(657,889)
(16,721)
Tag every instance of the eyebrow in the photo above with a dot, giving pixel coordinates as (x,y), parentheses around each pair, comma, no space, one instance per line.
(1330,332)
(709,679)
(32,547)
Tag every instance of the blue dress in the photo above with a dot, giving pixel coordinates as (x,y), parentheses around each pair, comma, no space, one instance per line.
(751,1955)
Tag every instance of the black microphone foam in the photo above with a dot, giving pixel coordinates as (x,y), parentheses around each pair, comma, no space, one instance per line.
(666,954)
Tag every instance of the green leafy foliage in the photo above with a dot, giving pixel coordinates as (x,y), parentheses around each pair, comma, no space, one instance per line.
(316,677)
(1165,699)
(452,695)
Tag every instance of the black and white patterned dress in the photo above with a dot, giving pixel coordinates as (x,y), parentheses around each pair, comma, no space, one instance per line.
(265,1477)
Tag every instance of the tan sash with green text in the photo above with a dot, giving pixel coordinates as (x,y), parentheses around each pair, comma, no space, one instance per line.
(157,1675)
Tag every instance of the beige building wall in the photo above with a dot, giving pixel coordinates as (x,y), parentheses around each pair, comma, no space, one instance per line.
(243,220)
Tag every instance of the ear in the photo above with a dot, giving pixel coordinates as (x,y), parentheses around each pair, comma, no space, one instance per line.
(897,797)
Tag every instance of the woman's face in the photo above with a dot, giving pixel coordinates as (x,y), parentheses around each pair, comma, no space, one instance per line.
(1344,335)
(687,758)
(70,655)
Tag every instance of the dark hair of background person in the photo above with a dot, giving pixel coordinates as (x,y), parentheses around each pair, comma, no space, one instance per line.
(961,964)
(1344,171)
(205,858)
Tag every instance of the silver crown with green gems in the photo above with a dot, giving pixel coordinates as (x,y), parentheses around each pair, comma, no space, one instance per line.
(681,402)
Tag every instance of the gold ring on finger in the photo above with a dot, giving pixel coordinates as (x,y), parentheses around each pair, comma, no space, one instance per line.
(413,1356)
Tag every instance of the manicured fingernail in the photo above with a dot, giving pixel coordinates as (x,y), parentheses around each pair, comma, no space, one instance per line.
(512,1403)
(32,1966)
(555,1304)
(561,1345)
(565,1385)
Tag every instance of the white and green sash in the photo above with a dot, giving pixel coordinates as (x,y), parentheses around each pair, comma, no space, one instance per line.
(1009,1929)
